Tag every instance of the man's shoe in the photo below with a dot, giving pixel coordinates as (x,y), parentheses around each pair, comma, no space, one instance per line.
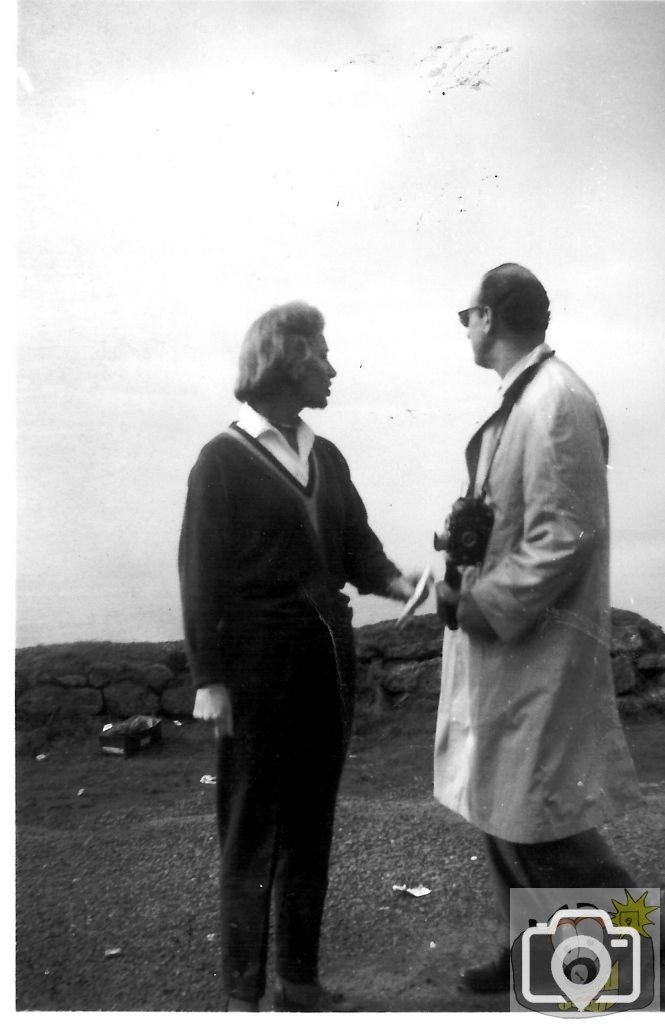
(490,977)
(290,997)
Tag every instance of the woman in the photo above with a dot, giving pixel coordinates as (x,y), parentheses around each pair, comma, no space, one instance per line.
(273,530)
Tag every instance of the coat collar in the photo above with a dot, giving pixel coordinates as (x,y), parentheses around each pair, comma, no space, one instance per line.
(527,370)
(535,355)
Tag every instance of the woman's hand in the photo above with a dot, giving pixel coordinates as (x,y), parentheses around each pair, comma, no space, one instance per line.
(213,704)
(403,588)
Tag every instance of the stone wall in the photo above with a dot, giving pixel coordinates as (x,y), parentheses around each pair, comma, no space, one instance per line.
(88,684)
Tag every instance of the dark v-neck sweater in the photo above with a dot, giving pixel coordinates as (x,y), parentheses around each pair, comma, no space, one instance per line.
(261,553)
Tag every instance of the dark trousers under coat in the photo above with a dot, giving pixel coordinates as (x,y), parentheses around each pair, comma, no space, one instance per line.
(277,784)
(583,860)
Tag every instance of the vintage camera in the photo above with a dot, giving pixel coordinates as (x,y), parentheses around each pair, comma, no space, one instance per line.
(466,532)
(464,540)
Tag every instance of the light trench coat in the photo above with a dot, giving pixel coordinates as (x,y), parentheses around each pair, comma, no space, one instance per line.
(529,746)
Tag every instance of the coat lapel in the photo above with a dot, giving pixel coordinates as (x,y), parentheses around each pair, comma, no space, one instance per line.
(472,453)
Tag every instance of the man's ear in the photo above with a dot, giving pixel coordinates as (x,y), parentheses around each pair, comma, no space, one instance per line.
(488,319)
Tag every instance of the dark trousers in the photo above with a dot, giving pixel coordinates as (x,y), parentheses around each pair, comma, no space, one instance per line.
(578,861)
(277,784)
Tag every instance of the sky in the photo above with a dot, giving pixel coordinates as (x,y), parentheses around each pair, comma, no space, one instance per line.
(184,166)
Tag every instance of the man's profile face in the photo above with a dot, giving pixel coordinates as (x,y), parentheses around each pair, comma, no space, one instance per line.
(477,331)
(315,375)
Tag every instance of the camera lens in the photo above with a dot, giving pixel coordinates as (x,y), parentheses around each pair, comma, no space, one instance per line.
(581,970)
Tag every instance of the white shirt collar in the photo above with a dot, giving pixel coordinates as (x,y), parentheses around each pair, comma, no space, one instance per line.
(254,424)
(534,356)
(269,437)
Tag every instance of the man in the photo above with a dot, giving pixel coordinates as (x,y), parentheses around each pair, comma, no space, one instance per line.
(529,746)
(273,529)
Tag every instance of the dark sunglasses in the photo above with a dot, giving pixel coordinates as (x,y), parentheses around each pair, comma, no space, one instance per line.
(465,313)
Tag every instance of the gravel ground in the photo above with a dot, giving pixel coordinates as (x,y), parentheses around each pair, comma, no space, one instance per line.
(117,874)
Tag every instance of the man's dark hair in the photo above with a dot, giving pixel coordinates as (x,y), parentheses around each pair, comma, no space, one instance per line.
(517,297)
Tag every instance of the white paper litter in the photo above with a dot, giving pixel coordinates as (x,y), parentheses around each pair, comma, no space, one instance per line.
(415,890)
(419,890)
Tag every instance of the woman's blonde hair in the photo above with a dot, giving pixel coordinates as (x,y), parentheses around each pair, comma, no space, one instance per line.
(275,344)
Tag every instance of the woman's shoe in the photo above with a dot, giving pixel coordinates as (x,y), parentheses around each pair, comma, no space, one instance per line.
(293,998)
(233,1005)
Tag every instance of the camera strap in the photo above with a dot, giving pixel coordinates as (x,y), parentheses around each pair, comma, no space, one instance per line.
(510,398)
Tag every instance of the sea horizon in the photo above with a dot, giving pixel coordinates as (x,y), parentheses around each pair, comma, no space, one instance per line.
(367,610)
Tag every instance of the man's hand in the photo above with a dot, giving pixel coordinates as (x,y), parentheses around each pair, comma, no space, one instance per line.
(471,619)
(446,598)
(213,704)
